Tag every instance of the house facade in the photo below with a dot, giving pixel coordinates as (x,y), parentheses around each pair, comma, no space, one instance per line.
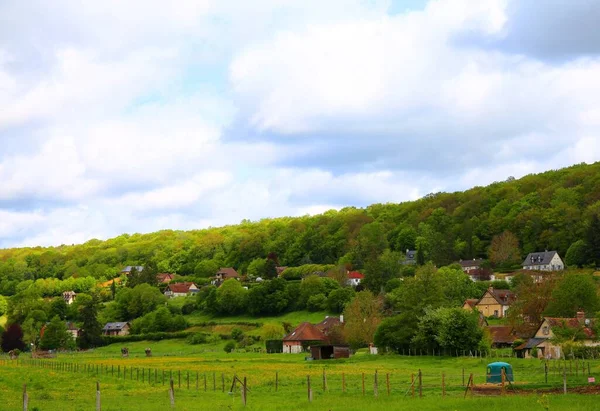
(495,302)
(469,265)
(127,270)
(69,297)
(543,338)
(543,261)
(355,278)
(116,329)
(302,337)
(180,289)
(224,274)
(165,278)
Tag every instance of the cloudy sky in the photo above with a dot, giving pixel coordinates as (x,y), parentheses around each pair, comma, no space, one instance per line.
(134,116)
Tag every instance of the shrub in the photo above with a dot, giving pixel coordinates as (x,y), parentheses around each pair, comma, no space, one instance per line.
(237,334)
(198,338)
(229,347)
(188,307)
(317,302)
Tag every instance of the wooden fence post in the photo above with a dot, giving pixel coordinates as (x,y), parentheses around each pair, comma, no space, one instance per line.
(565,380)
(343,382)
(98,401)
(363,383)
(443,384)
(25,398)
(387,382)
(546,371)
(420,384)
(309,390)
(276,380)
(463,375)
(375,388)
(244,393)
(172,393)
(503,375)
(324,380)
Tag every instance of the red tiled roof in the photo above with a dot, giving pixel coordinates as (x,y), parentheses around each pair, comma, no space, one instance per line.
(228,272)
(305,332)
(182,288)
(504,297)
(280,270)
(164,277)
(472,302)
(502,334)
(355,275)
(326,325)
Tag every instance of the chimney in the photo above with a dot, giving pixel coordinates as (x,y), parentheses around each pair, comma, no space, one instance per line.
(580,316)
(342,319)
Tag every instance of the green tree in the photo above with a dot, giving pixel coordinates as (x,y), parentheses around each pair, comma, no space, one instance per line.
(90,334)
(206,268)
(317,302)
(504,251)
(3,305)
(311,285)
(372,241)
(456,285)
(577,254)
(231,297)
(257,268)
(338,299)
(378,272)
(574,292)
(449,329)
(270,269)
(396,333)
(362,316)
(272,331)
(593,240)
(59,308)
(55,335)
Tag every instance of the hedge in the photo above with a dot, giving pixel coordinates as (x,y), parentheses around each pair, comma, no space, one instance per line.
(112,339)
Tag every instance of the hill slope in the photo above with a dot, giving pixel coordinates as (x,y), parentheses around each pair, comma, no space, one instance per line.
(546,211)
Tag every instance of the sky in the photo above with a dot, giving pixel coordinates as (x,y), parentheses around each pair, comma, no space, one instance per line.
(140,115)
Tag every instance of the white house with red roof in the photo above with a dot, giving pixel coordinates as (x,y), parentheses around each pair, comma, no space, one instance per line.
(180,289)
(355,278)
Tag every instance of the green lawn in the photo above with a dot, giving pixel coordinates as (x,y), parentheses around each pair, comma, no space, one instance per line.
(294,318)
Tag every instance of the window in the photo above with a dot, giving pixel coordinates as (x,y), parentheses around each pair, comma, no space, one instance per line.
(495,313)
(545,330)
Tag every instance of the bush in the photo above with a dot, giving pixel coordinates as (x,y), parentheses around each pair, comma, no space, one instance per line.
(237,334)
(338,299)
(106,340)
(188,307)
(229,347)
(317,302)
(198,338)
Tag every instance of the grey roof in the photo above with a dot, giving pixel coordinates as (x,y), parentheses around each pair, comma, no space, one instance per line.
(534,342)
(128,268)
(115,326)
(411,257)
(540,258)
(471,263)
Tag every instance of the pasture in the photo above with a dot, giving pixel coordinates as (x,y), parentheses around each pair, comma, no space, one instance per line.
(203,376)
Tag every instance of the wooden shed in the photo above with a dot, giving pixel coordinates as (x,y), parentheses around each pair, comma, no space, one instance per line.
(328,352)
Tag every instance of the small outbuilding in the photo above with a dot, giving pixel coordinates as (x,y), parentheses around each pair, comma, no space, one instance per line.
(494,372)
(327,352)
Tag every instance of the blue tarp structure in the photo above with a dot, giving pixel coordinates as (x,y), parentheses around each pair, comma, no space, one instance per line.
(494,372)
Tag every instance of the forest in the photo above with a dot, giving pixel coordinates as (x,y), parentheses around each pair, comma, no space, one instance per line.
(554,210)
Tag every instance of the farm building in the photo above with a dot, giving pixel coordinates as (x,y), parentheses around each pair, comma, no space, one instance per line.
(69,297)
(303,336)
(119,328)
(502,335)
(327,352)
(165,277)
(180,289)
(355,278)
(495,302)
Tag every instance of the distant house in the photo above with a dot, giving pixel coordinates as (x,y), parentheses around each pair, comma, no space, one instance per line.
(470,265)
(544,261)
(225,274)
(411,257)
(127,270)
(69,297)
(329,323)
(502,335)
(280,270)
(165,277)
(355,278)
(302,337)
(470,304)
(73,329)
(546,348)
(180,289)
(495,302)
(120,328)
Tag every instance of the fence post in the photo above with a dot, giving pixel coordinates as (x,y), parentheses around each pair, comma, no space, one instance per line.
(463,375)
(324,380)
(343,382)
(443,384)
(172,393)
(25,398)
(276,380)
(589,369)
(309,390)
(546,371)
(503,374)
(565,380)
(244,393)
(375,388)
(387,382)
(98,401)
(363,383)
(420,384)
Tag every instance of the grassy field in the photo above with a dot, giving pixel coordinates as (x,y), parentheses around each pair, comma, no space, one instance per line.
(125,384)
(294,318)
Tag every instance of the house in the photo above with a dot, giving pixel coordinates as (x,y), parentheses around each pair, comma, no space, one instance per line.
(225,274)
(69,297)
(411,257)
(165,277)
(118,329)
(73,329)
(470,265)
(127,270)
(180,289)
(470,304)
(303,336)
(330,323)
(502,335)
(542,339)
(495,302)
(355,278)
(543,261)
(280,270)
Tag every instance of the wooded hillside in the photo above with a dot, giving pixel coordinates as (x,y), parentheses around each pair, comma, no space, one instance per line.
(551,210)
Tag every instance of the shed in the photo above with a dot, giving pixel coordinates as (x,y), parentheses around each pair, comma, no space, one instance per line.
(494,372)
(327,352)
